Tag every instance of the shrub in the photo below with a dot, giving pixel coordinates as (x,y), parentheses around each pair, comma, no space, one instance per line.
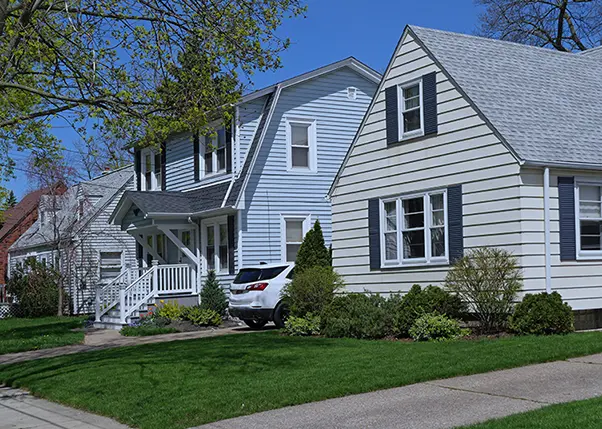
(145,331)
(170,310)
(35,285)
(542,314)
(202,316)
(302,326)
(436,327)
(213,296)
(417,302)
(311,291)
(488,280)
(356,316)
(313,251)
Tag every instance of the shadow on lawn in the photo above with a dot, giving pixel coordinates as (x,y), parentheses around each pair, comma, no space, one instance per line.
(36,331)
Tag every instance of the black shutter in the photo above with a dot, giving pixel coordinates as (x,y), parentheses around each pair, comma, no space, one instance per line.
(228,149)
(137,169)
(374,232)
(163,166)
(566,207)
(455,223)
(197,150)
(231,245)
(429,98)
(392,114)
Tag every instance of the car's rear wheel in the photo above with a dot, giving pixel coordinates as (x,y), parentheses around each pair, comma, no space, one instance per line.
(280,315)
(255,324)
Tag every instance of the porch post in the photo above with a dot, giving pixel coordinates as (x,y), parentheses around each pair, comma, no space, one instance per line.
(97,304)
(122,303)
(155,286)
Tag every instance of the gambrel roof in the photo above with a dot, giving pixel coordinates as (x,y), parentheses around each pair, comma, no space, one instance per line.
(546,104)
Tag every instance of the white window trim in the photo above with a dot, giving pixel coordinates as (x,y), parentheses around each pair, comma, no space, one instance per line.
(401,109)
(584,255)
(155,186)
(215,222)
(312,141)
(306,218)
(203,173)
(100,266)
(428,259)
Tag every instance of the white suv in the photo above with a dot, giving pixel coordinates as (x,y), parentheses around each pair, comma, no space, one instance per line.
(255,294)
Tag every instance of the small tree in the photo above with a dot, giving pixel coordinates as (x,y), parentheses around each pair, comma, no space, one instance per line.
(213,296)
(312,290)
(11,199)
(34,284)
(489,281)
(313,251)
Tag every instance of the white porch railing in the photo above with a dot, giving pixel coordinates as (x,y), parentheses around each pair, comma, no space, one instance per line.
(135,287)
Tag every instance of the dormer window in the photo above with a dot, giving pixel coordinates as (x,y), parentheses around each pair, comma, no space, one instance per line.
(151,170)
(411,109)
(215,153)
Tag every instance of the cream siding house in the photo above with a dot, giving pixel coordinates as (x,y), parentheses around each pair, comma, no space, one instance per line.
(471,142)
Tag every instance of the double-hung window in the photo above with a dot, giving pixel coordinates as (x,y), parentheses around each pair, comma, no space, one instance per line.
(110,265)
(414,229)
(589,233)
(214,158)
(301,145)
(216,246)
(294,229)
(151,171)
(411,110)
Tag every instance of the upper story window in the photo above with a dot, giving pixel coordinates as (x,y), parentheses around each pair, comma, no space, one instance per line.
(301,145)
(589,231)
(214,155)
(411,109)
(150,170)
(414,229)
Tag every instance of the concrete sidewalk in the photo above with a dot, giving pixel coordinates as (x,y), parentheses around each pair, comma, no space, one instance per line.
(443,403)
(18,410)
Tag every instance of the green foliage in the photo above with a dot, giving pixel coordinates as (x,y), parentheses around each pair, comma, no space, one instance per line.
(11,199)
(213,296)
(436,327)
(313,251)
(488,280)
(542,314)
(170,310)
(202,316)
(356,316)
(36,287)
(417,302)
(302,326)
(145,331)
(311,290)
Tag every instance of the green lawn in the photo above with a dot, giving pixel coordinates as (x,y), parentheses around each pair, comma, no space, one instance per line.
(577,415)
(187,383)
(17,335)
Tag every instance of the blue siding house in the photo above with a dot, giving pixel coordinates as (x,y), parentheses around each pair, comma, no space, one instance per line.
(243,195)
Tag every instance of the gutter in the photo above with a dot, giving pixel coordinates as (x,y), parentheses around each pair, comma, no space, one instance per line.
(546,217)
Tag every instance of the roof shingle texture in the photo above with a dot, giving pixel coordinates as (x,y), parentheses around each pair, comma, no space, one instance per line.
(546,104)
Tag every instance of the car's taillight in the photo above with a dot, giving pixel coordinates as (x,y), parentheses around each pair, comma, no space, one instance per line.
(257,286)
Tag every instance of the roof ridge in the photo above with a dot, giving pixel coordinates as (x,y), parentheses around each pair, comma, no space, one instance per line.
(497,41)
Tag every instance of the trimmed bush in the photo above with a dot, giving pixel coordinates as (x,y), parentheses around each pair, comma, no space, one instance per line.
(302,326)
(35,285)
(313,251)
(542,314)
(202,316)
(311,291)
(436,327)
(417,302)
(170,310)
(489,281)
(213,296)
(356,316)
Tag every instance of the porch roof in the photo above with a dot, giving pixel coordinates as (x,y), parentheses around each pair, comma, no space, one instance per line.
(161,203)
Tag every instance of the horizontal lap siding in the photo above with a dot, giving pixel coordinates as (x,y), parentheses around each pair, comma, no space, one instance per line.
(179,165)
(579,282)
(272,189)
(465,151)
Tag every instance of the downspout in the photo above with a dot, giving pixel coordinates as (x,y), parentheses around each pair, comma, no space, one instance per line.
(546,217)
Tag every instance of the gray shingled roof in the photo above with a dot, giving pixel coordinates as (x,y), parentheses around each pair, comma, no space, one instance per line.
(100,191)
(547,105)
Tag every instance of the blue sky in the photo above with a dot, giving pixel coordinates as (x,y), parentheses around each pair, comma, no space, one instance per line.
(333,30)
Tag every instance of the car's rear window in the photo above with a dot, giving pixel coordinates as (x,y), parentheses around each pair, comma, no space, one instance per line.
(248,275)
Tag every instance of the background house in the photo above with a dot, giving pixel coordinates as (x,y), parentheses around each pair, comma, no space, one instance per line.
(247,193)
(73,234)
(472,142)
